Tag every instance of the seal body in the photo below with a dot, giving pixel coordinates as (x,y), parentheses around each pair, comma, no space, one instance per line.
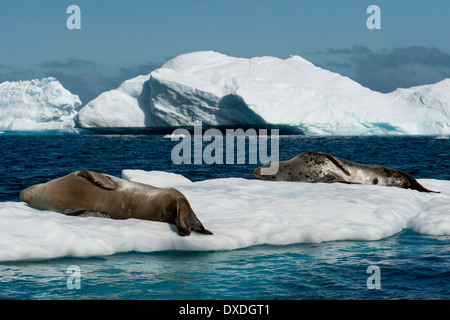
(323,167)
(87,193)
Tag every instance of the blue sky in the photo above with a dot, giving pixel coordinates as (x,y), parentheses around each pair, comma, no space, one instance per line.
(122,39)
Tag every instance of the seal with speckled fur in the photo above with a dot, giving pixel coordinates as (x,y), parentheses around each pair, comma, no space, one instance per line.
(88,193)
(322,167)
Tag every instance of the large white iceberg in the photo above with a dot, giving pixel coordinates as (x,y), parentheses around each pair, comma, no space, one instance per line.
(36,105)
(240,212)
(220,90)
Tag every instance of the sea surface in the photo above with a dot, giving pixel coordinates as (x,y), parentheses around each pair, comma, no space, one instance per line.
(410,265)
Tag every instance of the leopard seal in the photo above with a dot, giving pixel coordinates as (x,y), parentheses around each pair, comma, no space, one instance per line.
(88,193)
(323,167)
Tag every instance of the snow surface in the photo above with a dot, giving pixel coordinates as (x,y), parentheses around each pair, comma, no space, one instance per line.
(36,105)
(220,90)
(240,213)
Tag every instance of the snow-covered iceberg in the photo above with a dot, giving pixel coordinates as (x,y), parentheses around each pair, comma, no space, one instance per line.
(36,105)
(219,90)
(431,103)
(240,213)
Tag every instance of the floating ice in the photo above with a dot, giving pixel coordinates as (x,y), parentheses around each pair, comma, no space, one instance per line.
(221,90)
(175,136)
(36,105)
(240,213)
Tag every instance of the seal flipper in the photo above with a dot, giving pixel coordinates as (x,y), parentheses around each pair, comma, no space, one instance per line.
(187,224)
(186,220)
(100,180)
(331,177)
(337,163)
(415,185)
(198,227)
(86,213)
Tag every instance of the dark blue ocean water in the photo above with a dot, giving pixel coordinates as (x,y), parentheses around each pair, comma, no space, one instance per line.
(412,266)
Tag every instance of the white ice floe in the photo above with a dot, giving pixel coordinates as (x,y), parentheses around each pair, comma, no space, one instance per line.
(240,213)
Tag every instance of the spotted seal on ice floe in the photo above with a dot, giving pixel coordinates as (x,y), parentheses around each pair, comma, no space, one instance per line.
(322,167)
(88,193)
